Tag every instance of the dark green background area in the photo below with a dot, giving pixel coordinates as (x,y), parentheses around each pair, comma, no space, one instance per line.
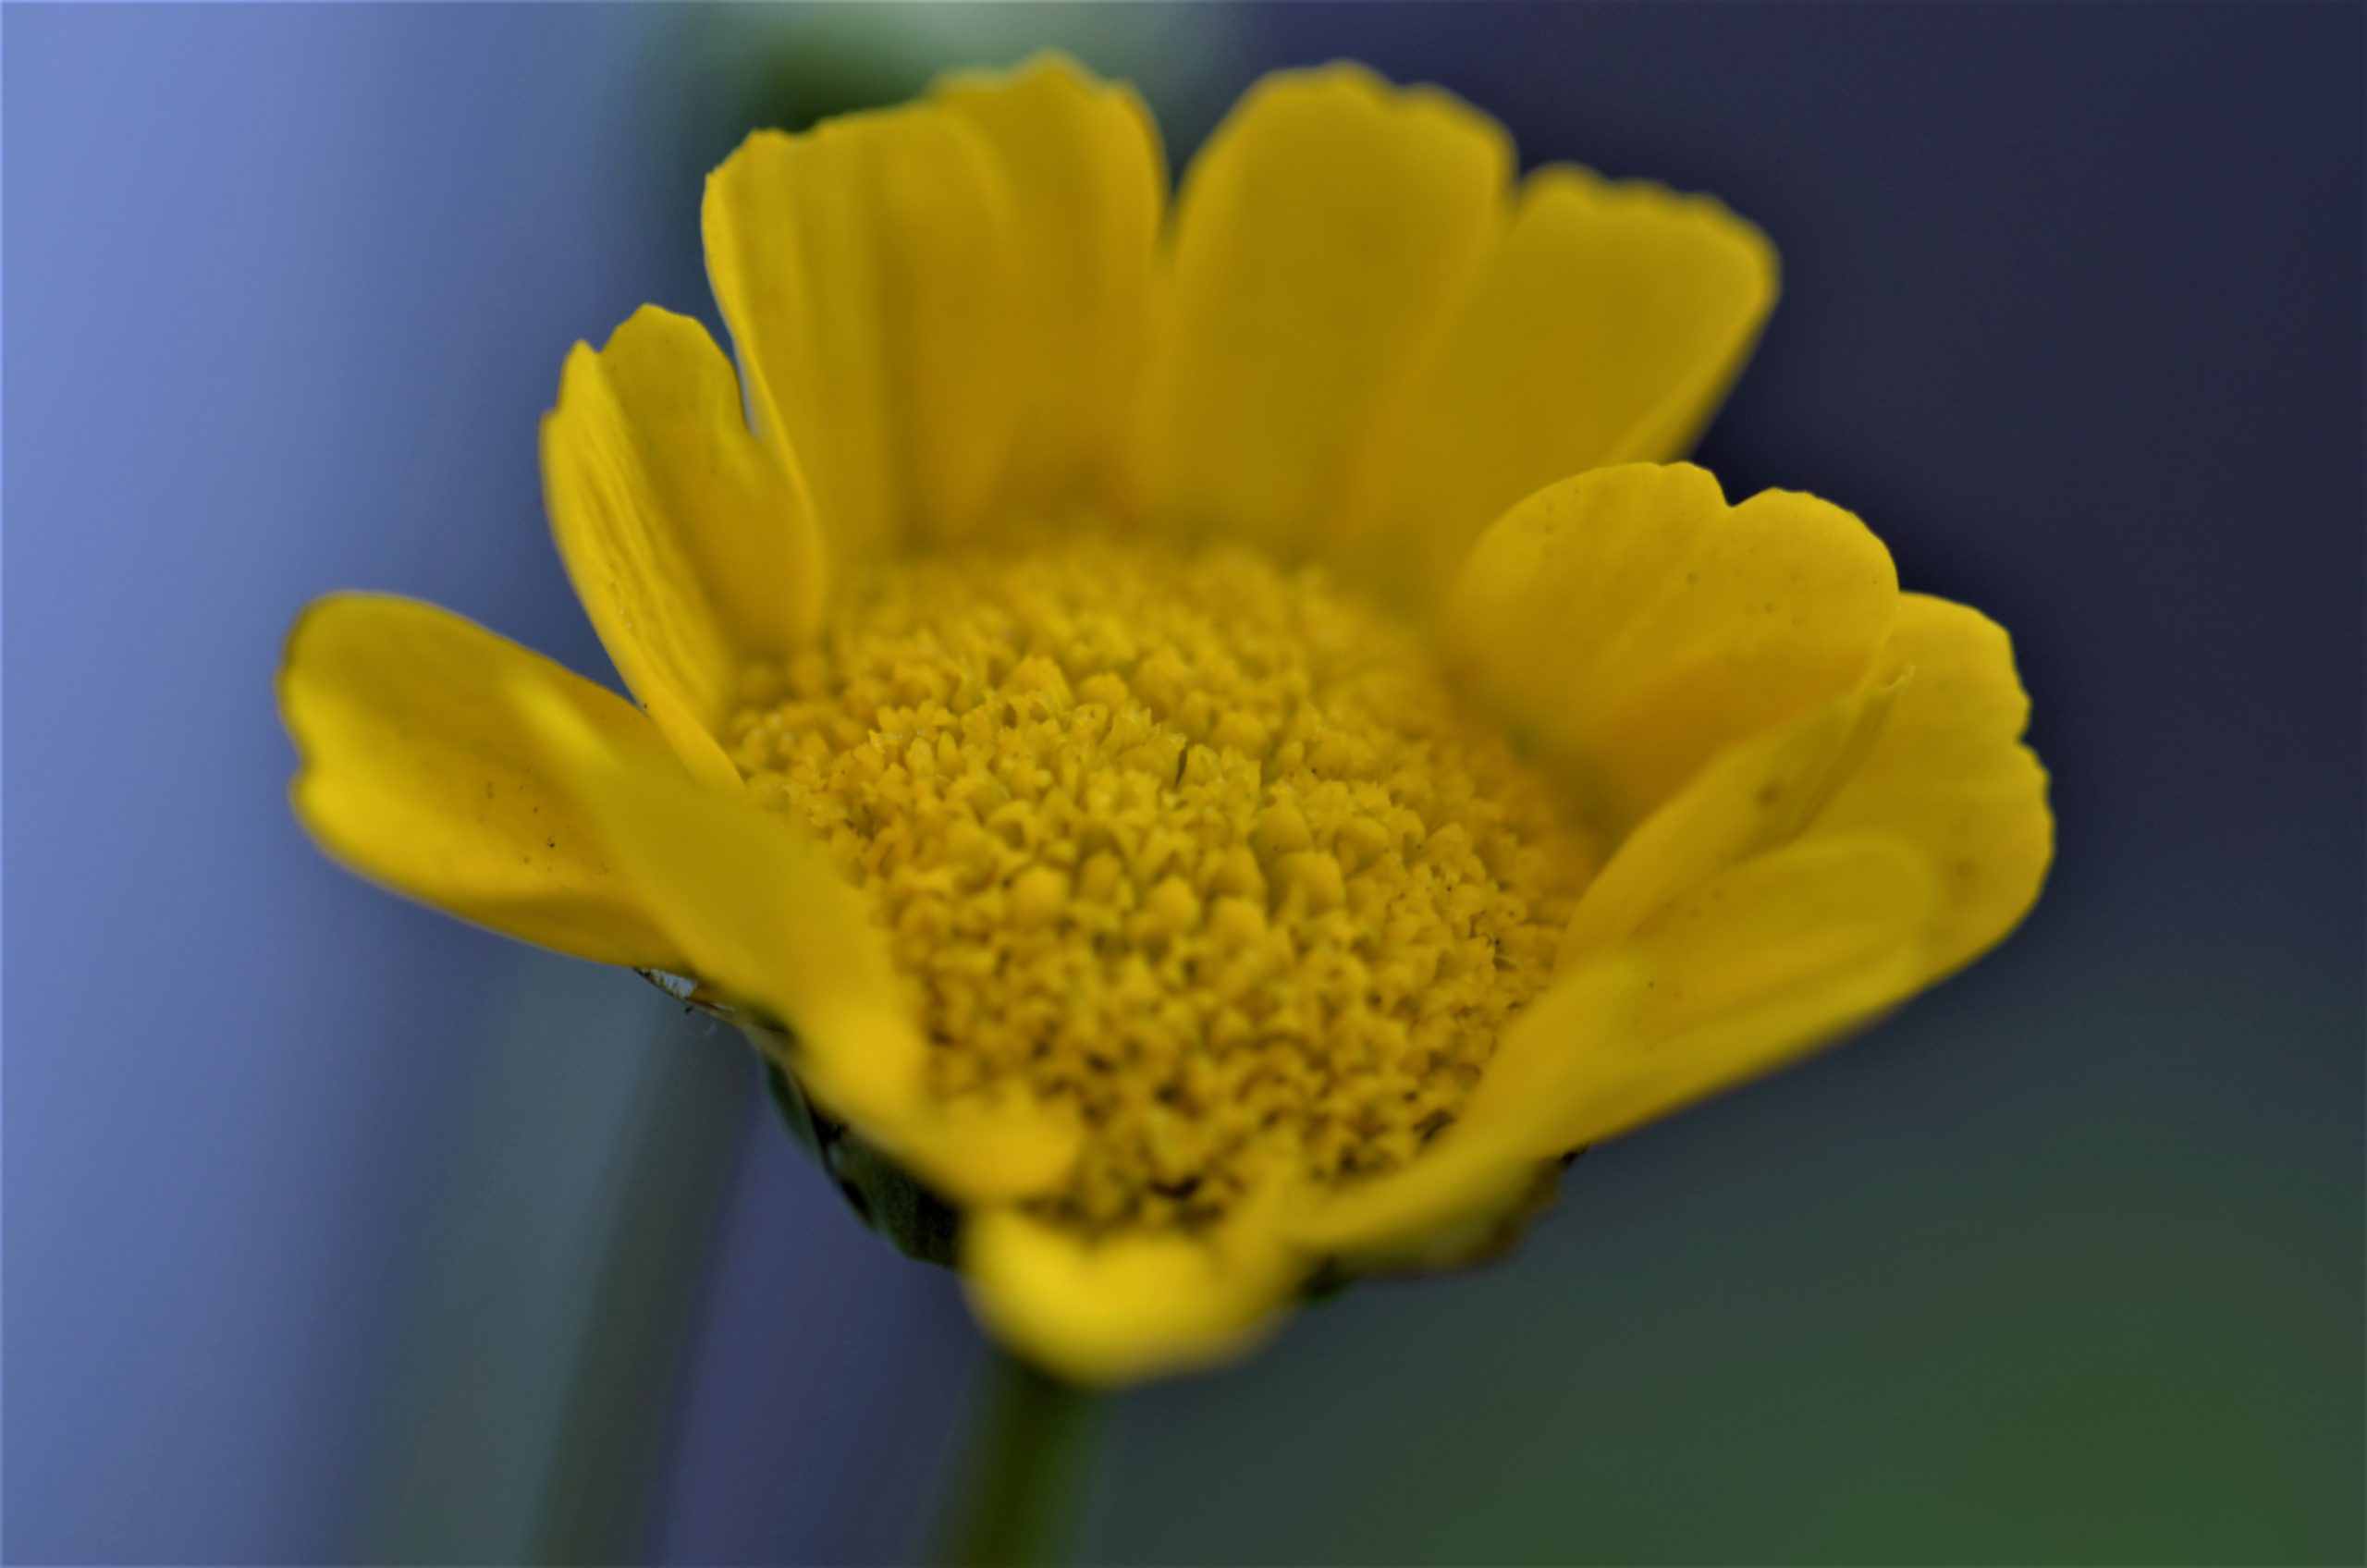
(1960,1295)
(334,1231)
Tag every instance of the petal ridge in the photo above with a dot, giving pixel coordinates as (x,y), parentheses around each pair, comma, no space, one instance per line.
(1607,321)
(864,268)
(685,538)
(1082,160)
(1323,239)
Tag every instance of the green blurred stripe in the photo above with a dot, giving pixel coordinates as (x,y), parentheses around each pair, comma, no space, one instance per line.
(561,1275)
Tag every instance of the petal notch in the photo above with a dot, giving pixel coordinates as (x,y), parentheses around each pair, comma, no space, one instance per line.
(1605,328)
(1631,625)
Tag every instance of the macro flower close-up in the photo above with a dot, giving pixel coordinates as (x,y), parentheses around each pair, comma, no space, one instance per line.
(1143,783)
(1214,744)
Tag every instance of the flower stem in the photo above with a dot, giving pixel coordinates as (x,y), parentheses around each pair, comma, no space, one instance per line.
(1031,1445)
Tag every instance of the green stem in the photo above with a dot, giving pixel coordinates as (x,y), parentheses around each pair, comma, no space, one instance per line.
(1030,1448)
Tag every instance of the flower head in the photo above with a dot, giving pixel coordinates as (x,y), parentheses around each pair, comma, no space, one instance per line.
(1207,743)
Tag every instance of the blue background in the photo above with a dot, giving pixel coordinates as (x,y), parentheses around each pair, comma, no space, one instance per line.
(335,1230)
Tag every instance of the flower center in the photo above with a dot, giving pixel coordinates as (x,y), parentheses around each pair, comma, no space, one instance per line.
(1198,845)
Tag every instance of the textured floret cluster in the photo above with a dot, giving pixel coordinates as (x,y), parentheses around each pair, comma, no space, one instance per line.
(1197,845)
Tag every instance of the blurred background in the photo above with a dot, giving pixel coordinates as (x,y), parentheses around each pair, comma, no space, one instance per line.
(336,1232)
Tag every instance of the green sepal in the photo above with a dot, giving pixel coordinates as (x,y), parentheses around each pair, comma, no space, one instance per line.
(916,1220)
(883,1195)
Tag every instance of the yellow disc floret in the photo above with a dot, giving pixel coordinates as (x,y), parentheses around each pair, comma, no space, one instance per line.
(1200,846)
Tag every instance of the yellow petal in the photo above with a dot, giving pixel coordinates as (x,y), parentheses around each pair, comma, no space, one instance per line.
(1949,774)
(1324,240)
(1754,797)
(1447,1199)
(1605,328)
(1750,971)
(682,535)
(693,738)
(1630,625)
(984,1151)
(759,913)
(1129,1307)
(1088,186)
(417,771)
(865,270)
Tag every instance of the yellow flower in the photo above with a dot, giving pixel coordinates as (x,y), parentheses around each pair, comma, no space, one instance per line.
(1212,739)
